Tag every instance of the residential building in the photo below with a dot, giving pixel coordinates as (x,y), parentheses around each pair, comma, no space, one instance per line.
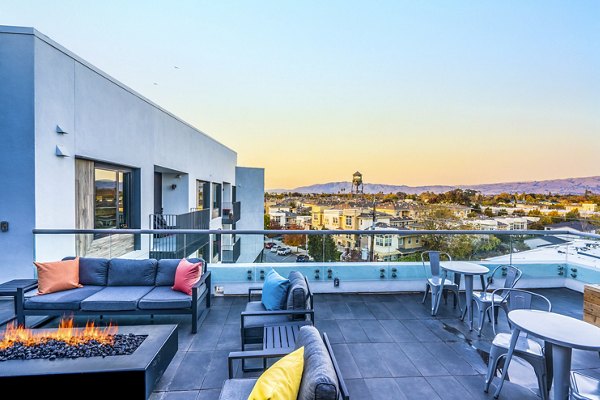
(87,151)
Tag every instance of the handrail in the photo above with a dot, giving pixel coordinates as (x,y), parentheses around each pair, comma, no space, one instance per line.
(46,231)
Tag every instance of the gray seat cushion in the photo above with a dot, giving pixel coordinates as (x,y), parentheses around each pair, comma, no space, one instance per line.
(165,298)
(237,389)
(298,294)
(63,300)
(115,298)
(253,326)
(165,270)
(319,381)
(125,272)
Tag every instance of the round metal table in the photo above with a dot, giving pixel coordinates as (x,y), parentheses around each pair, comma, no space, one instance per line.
(468,270)
(563,333)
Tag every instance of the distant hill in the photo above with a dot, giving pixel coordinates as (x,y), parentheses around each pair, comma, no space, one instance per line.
(557,186)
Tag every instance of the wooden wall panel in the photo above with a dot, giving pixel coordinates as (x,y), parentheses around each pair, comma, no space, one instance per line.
(84,204)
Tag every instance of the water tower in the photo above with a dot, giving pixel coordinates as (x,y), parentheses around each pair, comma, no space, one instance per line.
(357,183)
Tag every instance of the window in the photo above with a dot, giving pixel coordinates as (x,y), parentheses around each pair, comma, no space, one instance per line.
(383,240)
(348,220)
(112,197)
(409,240)
(216,200)
(202,195)
(417,240)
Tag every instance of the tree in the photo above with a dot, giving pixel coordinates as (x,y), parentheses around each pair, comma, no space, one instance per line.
(294,240)
(573,214)
(317,248)
(488,212)
(267,221)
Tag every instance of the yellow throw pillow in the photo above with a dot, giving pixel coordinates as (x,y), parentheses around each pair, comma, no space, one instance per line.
(282,380)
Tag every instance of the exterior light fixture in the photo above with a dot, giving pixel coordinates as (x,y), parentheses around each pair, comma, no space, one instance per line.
(173,186)
(60,130)
(60,152)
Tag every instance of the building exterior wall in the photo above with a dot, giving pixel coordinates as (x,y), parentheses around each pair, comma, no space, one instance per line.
(104,121)
(17,156)
(250,193)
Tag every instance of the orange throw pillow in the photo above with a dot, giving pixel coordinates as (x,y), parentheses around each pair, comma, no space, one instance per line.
(186,275)
(57,276)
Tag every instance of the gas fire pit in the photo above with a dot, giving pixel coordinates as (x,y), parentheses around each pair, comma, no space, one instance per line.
(126,362)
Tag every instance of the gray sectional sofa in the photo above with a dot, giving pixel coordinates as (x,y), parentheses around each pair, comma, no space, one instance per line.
(321,377)
(122,287)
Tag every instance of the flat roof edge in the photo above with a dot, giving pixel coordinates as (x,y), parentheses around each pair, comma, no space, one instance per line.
(23,30)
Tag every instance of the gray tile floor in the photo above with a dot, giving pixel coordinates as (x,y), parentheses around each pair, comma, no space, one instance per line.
(388,347)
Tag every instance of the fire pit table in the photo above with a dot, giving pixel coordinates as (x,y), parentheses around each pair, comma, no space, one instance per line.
(131,376)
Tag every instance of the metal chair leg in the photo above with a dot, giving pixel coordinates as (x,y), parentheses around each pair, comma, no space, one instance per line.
(496,354)
(426,293)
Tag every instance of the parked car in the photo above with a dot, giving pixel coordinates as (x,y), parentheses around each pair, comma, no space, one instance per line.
(269,245)
(274,249)
(302,258)
(284,251)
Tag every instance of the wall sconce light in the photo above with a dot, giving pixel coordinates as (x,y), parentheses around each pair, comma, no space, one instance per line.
(178,176)
(60,152)
(60,130)
(173,186)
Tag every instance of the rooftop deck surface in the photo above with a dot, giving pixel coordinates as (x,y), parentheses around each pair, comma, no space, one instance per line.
(388,347)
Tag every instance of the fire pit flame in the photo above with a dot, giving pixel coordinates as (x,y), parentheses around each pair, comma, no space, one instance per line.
(65,333)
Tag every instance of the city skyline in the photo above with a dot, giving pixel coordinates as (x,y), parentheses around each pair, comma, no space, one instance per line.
(406,93)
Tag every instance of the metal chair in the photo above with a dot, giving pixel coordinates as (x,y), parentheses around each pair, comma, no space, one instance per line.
(484,299)
(434,283)
(584,387)
(527,348)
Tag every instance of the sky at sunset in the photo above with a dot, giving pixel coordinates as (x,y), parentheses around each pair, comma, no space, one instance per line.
(407,92)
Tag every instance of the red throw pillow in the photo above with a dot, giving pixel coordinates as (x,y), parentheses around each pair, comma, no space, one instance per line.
(57,276)
(186,275)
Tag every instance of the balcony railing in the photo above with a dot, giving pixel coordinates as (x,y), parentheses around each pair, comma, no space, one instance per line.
(169,244)
(231,252)
(570,259)
(231,212)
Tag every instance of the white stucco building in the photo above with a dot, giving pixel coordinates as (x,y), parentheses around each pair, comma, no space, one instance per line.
(82,150)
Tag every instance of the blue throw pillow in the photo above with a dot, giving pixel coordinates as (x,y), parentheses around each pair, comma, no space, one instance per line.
(274,293)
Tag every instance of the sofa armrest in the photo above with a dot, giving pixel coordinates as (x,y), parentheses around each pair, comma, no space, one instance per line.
(244,314)
(205,278)
(252,354)
(202,279)
(251,291)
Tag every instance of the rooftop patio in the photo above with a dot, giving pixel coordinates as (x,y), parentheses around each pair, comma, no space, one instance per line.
(388,346)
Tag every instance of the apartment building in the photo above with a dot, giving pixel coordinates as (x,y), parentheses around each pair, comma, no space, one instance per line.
(82,150)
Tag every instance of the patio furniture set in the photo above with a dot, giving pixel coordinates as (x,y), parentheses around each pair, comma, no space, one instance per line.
(277,331)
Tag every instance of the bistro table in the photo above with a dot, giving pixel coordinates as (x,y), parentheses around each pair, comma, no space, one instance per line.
(562,332)
(468,270)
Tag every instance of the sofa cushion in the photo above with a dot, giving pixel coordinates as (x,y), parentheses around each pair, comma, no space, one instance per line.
(236,389)
(186,276)
(93,271)
(57,276)
(115,298)
(125,272)
(297,298)
(165,271)
(282,379)
(319,381)
(253,326)
(63,300)
(163,298)
(274,291)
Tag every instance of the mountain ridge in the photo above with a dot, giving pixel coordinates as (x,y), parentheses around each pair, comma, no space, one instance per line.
(556,186)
